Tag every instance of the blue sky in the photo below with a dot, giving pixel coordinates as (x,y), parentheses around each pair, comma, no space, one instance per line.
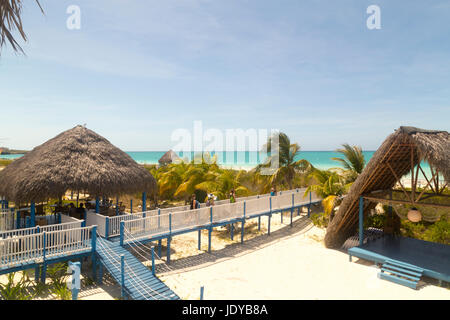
(138,70)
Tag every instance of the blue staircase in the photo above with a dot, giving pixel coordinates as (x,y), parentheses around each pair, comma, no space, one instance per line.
(401,273)
(140,283)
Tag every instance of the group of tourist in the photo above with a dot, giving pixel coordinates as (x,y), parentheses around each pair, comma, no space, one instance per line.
(195,204)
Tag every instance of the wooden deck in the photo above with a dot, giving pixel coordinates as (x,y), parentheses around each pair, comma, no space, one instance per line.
(433,258)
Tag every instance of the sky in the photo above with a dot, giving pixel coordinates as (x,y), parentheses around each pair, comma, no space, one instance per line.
(136,71)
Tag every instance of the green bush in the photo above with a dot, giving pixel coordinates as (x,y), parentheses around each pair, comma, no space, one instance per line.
(375,221)
(320,219)
(15,290)
(434,232)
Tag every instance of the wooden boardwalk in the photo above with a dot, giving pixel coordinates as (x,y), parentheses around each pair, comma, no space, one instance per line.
(138,281)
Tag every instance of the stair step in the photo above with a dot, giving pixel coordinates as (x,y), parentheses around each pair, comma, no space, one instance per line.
(407,283)
(404,265)
(396,268)
(400,274)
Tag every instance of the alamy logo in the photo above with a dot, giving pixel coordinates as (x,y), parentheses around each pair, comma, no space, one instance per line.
(374,20)
(73,22)
(230,140)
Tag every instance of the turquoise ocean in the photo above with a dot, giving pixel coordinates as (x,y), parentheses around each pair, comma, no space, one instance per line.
(236,159)
(245,159)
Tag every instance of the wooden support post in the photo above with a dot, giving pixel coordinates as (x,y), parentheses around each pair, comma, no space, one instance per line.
(292,208)
(44,265)
(270,215)
(100,274)
(33,215)
(231,231)
(210,228)
(36,273)
(122,232)
(259,223)
(144,201)
(169,239)
(43,272)
(153,260)
(242,226)
(209,238)
(93,254)
(107,227)
(199,239)
(131,205)
(122,275)
(97,205)
(202,291)
(309,205)
(159,247)
(361,220)
(18,226)
(159,218)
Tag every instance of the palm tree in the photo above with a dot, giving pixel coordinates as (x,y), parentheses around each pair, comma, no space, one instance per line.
(330,186)
(10,20)
(353,162)
(287,166)
(223,182)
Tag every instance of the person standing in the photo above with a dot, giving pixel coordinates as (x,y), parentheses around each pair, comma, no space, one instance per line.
(273,192)
(232,196)
(194,203)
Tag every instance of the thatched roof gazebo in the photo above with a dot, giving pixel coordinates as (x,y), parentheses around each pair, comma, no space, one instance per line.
(169,157)
(401,153)
(78,160)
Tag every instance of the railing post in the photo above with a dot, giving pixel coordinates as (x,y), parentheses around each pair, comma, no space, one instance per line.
(210,228)
(202,290)
(309,205)
(292,208)
(44,265)
(44,239)
(106,227)
(18,219)
(169,239)
(144,201)
(94,239)
(159,218)
(94,249)
(270,215)
(33,215)
(122,232)
(131,206)
(97,205)
(361,220)
(122,275)
(153,260)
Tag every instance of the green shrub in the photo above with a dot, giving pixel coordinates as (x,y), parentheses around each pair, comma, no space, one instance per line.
(320,219)
(15,291)
(438,231)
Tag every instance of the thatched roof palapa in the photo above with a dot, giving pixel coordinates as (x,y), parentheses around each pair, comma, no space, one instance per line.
(393,155)
(169,157)
(78,160)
